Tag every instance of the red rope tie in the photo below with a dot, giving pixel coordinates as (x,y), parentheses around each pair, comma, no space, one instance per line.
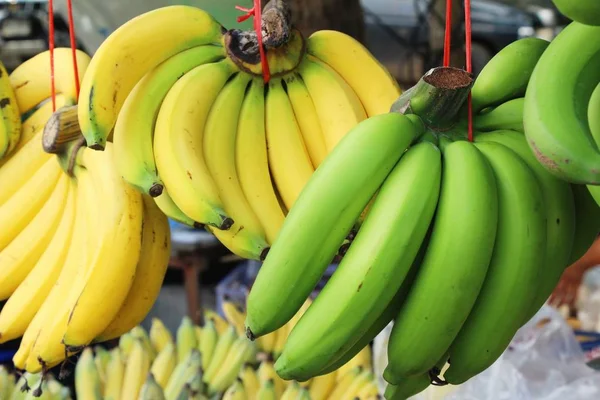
(468,52)
(73,47)
(256,12)
(51,48)
(448,33)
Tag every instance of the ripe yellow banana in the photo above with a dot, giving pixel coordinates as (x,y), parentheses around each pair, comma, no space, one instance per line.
(164,364)
(235,392)
(207,345)
(170,209)
(115,371)
(220,324)
(308,120)
(266,372)
(288,158)
(226,340)
(124,58)
(183,373)
(235,316)
(136,370)
(357,385)
(125,343)
(101,359)
(160,336)
(87,379)
(343,384)
(151,390)
(267,391)
(11,117)
(186,338)
(149,274)
(139,332)
(20,256)
(321,386)
(363,359)
(292,391)
(178,143)
(243,350)
(250,381)
(354,62)
(338,107)
(252,164)
(31,79)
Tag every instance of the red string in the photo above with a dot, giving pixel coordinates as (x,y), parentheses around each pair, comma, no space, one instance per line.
(73,46)
(256,12)
(469,63)
(51,48)
(448,33)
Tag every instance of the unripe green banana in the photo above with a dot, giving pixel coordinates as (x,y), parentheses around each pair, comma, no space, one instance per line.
(408,387)
(515,267)
(507,115)
(587,223)
(584,11)
(372,270)
(555,113)
(321,218)
(454,267)
(593,114)
(506,75)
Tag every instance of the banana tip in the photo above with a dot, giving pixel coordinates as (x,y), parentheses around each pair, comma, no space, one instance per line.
(156,190)
(249,334)
(264,253)
(226,224)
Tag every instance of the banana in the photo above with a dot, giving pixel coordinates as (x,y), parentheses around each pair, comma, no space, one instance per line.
(372,270)
(593,114)
(193,388)
(9,110)
(186,338)
(306,116)
(226,340)
(555,113)
(252,164)
(123,59)
(160,336)
(235,316)
(235,392)
(321,386)
(5,140)
(20,256)
(239,353)
(125,343)
(266,373)
(560,214)
(207,345)
(584,11)
(7,383)
(178,143)
(358,384)
(368,391)
(363,358)
(114,375)
(134,127)
(31,83)
(170,209)
(337,106)
(460,247)
(587,221)
(326,216)
(219,152)
(289,160)
(221,325)
(138,332)
(149,274)
(136,370)
(343,383)
(292,391)
(506,75)
(183,373)
(164,364)
(515,267)
(110,273)
(101,359)
(267,391)
(250,381)
(151,390)
(349,58)
(508,115)
(408,387)
(17,212)
(87,379)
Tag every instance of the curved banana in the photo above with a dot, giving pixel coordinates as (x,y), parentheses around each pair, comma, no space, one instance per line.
(584,11)
(18,168)
(250,381)
(252,163)
(207,345)
(454,267)
(515,267)
(164,364)
(235,392)
(87,379)
(115,372)
(349,58)
(266,373)
(587,220)
(555,114)
(166,204)
(151,390)
(184,372)
(124,58)
(337,106)
(372,270)
(5,139)
(159,334)
(292,391)
(356,167)
(352,390)
(508,115)
(307,118)
(9,111)
(149,273)
(226,340)
(267,391)
(506,75)
(343,383)
(179,147)
(219,152)
(593,114)
(408,387)
(239,353)
(321,386)
(185,339)
(31,79)
(136,370)
(134,128)
(288,158)
(235,316)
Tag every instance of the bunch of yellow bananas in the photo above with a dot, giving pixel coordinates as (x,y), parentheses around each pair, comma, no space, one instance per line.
(195,126)
(12,388)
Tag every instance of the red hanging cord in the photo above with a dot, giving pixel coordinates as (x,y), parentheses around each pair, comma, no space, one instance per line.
(256,12)
(448,33)
(73,46)
(51,48)
(469,63)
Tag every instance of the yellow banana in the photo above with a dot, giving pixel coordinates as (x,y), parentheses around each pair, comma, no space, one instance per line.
(252,162)
(292,391)
(235,316)
(363,359)
(151,390)
(164,364)
(220,324)
(250,381)
(115,371)
(186,338)
(321,386)
(210,336)
(160,336)
(240,352)
(138,332)
(87,379)
(7,383)
(125,343)
(224,344)
(288,158)
(31,79)
(267,391)
(170,209)
(342,384)
(183,373)
(101,359)
(266,372)
(136,369)
(368,391)
(9,110)
(235,392)
(198,332)
(357,385)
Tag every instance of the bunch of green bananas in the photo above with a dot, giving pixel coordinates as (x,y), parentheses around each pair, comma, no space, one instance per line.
(459,242)
(12,388)
(195,126)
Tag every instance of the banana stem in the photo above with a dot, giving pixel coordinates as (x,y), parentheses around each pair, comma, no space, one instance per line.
(61,128)
(437,98)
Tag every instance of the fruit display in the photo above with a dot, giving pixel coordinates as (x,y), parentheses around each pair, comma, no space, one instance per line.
(457,236)
(196,125)
(205,362)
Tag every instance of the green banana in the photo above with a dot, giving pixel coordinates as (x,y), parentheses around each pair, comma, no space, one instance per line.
(506,75)
(587,219)
(593,114)
(516,265)
(454,267)
(357,166)
(151,390)
(555,113)
(507,115)
(372,270)
(408,387)
(560,215)
(134,129)
(584,11)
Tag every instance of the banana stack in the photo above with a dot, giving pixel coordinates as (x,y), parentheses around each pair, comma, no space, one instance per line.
(13,388)
(459,242)
(212,361)
(195,126)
